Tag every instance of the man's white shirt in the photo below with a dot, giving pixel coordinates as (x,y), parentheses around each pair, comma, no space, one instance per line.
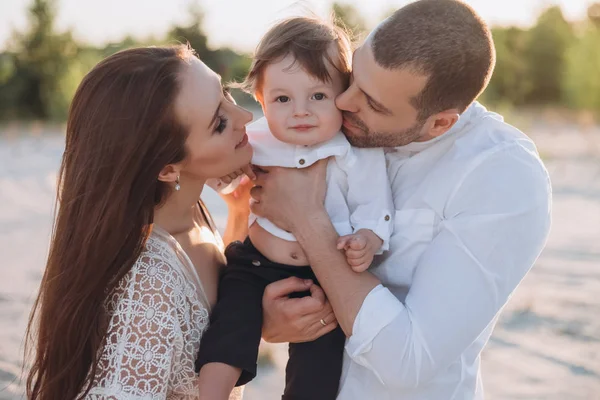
(472,215)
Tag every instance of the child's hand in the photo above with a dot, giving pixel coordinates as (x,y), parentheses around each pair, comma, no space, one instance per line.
(360,248)
(247,170)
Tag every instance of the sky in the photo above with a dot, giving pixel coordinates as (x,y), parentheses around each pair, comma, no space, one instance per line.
(238,23)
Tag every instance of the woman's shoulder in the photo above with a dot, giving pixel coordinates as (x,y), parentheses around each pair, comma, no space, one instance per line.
(159,272)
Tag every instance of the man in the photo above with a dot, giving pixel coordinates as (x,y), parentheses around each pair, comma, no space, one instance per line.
(472,201)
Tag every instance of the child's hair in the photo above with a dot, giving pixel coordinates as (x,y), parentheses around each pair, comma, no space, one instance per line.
(309,41)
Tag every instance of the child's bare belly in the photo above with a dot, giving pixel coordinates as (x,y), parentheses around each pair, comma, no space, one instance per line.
(276,249)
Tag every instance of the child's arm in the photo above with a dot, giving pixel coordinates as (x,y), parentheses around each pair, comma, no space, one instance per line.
(360,248)
(217,380)
(369,199)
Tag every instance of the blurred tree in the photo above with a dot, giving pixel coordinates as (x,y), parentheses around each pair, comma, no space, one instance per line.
(193,34)
(388,12)
(582,79)
(348,17)
(41,60)
(545,54)
(593,13)
(226,62)
(509,83)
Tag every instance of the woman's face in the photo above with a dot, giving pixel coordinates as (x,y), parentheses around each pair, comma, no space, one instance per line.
(217,143)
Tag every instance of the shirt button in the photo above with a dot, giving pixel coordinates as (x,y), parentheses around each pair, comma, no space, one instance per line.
(256,263)
(301,162)
(387,218)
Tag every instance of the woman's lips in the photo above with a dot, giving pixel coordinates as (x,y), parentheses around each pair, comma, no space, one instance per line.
(243,142)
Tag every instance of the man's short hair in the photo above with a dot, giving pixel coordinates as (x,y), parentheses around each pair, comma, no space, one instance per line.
(446,41)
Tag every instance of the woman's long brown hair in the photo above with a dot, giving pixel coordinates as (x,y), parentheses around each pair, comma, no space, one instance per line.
(121,132)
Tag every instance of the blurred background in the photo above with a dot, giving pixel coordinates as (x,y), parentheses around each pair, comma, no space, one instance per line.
(546,82)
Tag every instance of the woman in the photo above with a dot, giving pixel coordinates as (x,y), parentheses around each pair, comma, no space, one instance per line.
(133,264)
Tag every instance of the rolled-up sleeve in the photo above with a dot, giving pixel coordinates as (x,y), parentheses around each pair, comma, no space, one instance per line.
(370,195)
(494,227)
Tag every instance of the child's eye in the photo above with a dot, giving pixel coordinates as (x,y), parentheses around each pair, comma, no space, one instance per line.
(318,96)
(282,99)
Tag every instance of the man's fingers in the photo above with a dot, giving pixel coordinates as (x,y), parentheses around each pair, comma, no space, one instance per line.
(285,287)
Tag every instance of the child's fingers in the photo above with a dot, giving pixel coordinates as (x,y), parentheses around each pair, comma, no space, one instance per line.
(226,179)
(343,241)
(358,242)
(355,254)
(249,172)
(235,174)
(355,262)
(361,268)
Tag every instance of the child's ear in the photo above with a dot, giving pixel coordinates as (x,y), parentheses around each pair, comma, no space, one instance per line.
(258,96)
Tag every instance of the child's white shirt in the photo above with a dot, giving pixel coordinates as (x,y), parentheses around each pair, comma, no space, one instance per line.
(358,190)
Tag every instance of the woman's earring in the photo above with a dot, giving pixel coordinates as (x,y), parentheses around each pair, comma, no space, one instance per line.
(177,185)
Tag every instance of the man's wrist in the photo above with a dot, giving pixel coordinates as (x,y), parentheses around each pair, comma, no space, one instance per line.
(311,222)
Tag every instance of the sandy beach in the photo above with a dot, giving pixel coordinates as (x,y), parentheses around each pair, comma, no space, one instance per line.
(546,344)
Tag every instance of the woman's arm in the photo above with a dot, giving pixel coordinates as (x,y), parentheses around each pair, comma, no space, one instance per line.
(237,226)
(238,212)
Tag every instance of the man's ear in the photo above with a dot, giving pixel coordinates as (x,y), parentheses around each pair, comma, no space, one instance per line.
(443,121)
(169,173)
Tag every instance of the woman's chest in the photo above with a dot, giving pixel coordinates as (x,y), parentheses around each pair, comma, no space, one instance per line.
(205,254)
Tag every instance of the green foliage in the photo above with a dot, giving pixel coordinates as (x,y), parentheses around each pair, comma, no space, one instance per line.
(348,17)
(41,59)
(545,55)
(582,79)
(554,62)
(509,83)
(593,13)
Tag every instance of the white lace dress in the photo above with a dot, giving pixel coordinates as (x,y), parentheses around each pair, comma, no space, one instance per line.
(158,314)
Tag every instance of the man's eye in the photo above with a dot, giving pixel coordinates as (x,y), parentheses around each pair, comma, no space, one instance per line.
(282,99)
(318,96)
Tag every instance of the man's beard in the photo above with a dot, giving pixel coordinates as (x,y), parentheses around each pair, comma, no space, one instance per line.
(366,138)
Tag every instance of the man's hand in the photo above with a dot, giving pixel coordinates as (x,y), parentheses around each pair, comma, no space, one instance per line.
(360,248)
(295,320)
(286,196)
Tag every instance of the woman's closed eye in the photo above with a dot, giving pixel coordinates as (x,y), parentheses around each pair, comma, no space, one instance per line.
(222,124)
(318,96)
